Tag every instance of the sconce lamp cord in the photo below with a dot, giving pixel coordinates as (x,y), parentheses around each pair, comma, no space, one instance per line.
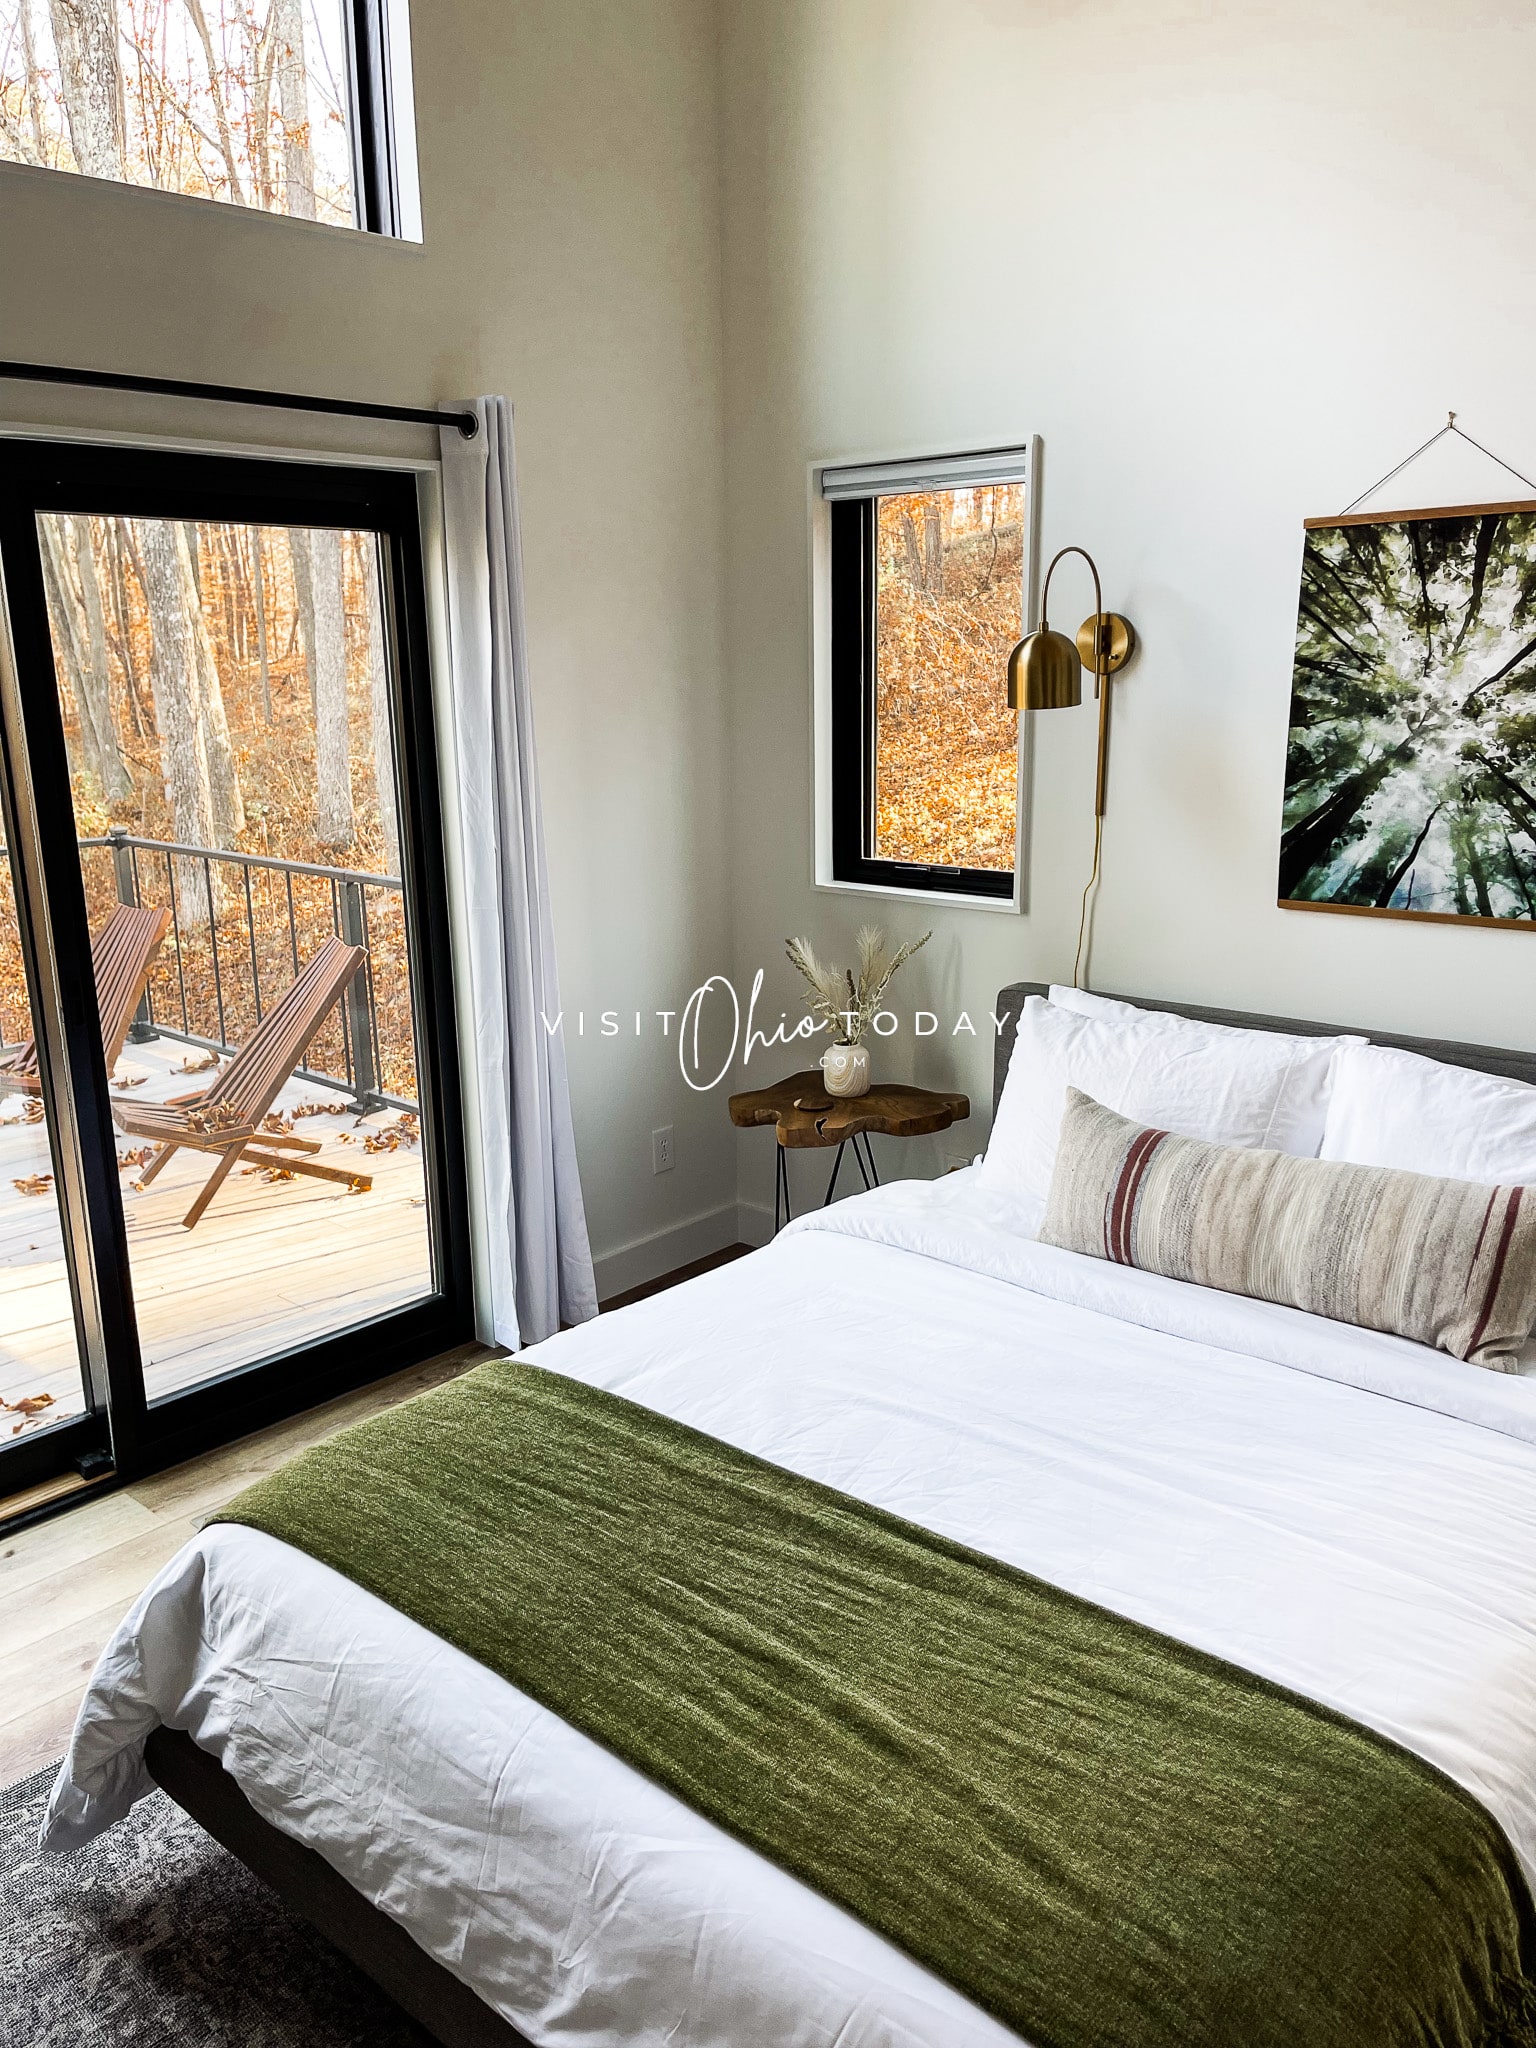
(1084,923)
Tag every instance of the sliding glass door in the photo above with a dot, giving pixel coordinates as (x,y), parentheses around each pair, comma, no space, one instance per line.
(231,1178)
(43,1379)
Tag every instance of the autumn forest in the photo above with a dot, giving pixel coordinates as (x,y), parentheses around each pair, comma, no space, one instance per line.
(236,100)
(226,688)
(949,603)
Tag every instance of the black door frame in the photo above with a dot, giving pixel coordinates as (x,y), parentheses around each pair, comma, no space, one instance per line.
(42,476)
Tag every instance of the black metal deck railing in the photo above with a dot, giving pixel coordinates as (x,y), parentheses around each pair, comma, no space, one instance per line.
(236,960)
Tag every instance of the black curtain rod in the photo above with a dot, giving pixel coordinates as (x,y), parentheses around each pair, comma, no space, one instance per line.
(235,394)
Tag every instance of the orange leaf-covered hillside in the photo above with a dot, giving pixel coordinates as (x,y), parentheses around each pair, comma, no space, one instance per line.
(950,567)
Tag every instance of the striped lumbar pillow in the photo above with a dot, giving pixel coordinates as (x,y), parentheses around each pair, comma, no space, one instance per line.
(1445,1262)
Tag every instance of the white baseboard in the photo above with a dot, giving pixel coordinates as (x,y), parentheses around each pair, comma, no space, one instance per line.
(754,1224)
(663,1251)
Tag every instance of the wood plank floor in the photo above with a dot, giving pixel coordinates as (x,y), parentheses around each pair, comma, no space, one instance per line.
(66,1584)
(270,1265)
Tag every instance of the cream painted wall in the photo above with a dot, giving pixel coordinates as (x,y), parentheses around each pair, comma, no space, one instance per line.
(569,175)
(1232,259)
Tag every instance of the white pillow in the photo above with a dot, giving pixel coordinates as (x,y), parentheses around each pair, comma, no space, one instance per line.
(1259,1088)
(1305,1065)
(1391,1108)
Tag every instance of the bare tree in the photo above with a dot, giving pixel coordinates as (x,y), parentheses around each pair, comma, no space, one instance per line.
(174,684)
(64,617)
(912,549)
(74,605)
(91,80)
(379,694)
(933,546)
(261,45)
(124,641)
(28,142)
(259,592)
(231,588)
(316,557)
(223,770)
(334,824)
(116,781)
(304,603)
(239,591)
(293,105)
(216,91)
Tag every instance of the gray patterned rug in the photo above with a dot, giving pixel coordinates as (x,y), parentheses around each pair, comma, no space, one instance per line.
(155,1937)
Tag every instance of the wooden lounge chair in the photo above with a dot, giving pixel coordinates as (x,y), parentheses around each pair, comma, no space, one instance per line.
(122,955)
(226,1117)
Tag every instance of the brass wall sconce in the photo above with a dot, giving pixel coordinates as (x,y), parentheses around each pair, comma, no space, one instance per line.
(1045,673)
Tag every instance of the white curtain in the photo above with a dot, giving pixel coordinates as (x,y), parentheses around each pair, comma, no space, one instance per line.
(541,1263)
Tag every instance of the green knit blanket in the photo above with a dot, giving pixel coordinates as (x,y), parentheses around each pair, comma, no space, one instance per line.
(1105,1838)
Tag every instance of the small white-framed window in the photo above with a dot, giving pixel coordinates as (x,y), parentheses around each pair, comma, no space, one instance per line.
(925,572)
(295,107)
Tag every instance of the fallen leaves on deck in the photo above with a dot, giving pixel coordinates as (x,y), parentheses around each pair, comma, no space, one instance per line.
(34,1184)
(403,1131)
(30,1407)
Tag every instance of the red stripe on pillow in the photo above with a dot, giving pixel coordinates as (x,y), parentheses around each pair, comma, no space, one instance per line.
(1493,1196)
(1121,1207)
(1511,1211)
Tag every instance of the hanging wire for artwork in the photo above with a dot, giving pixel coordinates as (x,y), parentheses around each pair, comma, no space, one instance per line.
(1450,427)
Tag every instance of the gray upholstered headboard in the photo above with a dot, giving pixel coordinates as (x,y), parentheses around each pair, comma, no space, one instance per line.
(1491,1059)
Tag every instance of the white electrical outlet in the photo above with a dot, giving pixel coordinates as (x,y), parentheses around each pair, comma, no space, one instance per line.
(662,1158)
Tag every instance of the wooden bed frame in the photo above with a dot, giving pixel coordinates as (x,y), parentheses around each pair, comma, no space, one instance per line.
(448,2010)
(380,1947)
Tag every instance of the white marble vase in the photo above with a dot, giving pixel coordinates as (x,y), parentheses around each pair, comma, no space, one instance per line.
(845,1069)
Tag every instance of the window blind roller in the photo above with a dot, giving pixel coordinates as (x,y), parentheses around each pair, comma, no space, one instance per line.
(928,473)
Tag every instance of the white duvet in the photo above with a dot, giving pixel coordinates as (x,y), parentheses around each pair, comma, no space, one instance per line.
(1345,1513)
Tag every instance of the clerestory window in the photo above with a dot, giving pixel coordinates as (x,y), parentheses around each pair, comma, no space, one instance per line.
(296,107)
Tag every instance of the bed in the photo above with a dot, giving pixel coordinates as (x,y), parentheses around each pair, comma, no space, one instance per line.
(1333,1509)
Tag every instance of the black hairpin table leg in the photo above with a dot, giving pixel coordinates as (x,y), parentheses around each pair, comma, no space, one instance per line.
(864,1159)
(781,1209)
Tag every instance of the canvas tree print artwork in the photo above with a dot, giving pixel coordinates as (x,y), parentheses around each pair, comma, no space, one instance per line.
(1410,784)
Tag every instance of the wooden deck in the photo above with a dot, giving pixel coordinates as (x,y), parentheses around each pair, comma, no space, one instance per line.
(271,1265)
